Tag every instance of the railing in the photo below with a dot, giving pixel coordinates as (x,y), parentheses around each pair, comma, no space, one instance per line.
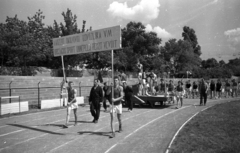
(38,88)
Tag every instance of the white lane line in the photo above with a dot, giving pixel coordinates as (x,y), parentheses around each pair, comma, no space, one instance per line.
(97,131)
(21,122)
(11,132)
(33,120)
(169,146)
(36,126)
(111,148)
(144,126)
(174,137)
(197,104)
(6,118)
(39,136)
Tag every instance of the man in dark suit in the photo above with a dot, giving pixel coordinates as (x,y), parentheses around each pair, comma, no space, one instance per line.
(128,95)
(95,98)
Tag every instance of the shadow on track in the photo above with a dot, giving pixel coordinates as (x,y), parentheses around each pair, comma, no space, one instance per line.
(95,133)
(82,121)
(36,129)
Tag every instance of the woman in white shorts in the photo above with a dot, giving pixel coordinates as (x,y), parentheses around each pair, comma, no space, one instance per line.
(179,93)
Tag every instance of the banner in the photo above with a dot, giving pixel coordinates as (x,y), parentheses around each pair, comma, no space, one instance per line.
(92,41)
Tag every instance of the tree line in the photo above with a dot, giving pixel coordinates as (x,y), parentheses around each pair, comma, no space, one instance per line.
(26,44)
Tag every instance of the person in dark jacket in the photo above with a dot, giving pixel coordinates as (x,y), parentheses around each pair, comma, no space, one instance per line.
(95,98)
(203,89)
(128,95)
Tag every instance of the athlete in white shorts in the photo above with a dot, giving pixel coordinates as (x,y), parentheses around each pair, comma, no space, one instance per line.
(118,95)
(179,93)
(72,103)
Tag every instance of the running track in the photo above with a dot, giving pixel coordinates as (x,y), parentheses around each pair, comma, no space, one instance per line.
(144,130)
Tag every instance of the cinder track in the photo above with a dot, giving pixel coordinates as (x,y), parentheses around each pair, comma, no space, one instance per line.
(144,130)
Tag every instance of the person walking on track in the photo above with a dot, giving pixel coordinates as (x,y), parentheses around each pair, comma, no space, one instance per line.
(95,98)
(203,89)
(128,95)
(219,89)
(106,95)
(116,105)
(179,93)
(72,103)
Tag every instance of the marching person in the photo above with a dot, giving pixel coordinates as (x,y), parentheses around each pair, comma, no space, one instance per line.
(203,89)
(106,95)
(194,90)
(116,105)
(128,95)
(227,88)
(179,93)
(72,103)
(234,88)
(170,91)
(95,98)
(188,89)
(140,70)
(162,86)
(212,89)
(219,89)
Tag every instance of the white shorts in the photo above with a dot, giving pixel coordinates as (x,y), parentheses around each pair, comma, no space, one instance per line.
(73,105)
(140,74)
(116,109)
(180,94)
(144,81)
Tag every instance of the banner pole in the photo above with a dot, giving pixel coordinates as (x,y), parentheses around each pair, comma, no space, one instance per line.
(64,76)
(112,81)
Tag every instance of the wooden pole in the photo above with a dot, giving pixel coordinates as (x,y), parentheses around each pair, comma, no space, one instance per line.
(112,82)
(64,76)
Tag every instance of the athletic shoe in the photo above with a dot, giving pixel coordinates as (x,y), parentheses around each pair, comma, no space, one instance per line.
(65,126)
(113,135)
(93,121)
(96,121)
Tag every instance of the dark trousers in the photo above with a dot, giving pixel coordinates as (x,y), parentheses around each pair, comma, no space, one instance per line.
(203,96)
(129,102)
(95,110)
(105,103)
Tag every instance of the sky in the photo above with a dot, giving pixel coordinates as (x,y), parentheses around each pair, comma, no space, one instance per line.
(216,22)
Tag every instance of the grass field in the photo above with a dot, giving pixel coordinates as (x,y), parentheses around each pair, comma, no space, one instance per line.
(216,130)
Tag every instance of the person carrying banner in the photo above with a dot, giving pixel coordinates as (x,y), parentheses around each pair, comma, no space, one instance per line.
(116,102)
(72,103)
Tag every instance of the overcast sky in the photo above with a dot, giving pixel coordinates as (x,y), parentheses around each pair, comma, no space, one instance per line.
(216,22)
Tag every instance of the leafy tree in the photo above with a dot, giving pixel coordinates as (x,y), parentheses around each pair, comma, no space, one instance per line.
(183,55)
(140,45)
(221,63)
(210,63)
(189,35)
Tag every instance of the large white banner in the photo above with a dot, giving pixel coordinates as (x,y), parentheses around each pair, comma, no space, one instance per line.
(92,41)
